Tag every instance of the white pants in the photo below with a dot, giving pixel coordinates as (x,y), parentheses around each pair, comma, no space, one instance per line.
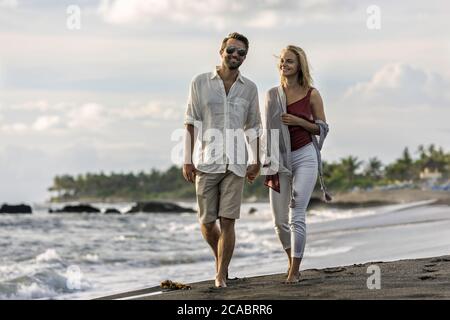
(290,224)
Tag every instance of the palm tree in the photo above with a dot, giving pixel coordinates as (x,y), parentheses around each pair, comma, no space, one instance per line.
(406,157)
(350,165)
(403,168)
(374,168)
(437,158)
(432,158)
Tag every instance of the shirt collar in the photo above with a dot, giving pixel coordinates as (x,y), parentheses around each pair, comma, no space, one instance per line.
(215,75)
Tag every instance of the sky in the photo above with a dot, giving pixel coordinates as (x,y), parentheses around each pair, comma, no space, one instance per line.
(91,86)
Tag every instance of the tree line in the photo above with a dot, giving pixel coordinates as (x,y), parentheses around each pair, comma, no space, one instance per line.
(340,176)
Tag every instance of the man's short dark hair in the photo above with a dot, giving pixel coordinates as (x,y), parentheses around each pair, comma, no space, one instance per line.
(236,36)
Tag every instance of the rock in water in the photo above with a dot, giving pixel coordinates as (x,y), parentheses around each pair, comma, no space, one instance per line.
(156,206)
(81,208)
(112,211)
(16,209)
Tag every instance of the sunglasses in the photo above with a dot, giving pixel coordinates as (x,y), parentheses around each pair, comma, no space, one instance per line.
(241,51)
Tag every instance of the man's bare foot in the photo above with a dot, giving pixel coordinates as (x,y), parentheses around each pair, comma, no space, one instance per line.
(217,270)
(220,282)
(288,270)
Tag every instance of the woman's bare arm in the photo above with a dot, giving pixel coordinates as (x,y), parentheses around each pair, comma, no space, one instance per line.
(317,106)
(317,112)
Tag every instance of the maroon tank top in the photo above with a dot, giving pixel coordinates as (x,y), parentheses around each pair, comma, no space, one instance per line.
(302,109)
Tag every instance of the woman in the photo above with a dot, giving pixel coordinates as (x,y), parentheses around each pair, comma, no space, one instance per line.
(295,108)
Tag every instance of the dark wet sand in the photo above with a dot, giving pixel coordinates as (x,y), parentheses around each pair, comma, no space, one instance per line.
(348,200)
(427,278)
(394,196)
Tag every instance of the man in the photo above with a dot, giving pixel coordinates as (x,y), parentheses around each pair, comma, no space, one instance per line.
(222,103)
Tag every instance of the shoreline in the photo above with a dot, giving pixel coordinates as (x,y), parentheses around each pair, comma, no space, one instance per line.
(424,278)
(340,199)
(337,262)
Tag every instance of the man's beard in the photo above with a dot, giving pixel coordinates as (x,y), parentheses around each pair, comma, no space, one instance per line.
(232,65)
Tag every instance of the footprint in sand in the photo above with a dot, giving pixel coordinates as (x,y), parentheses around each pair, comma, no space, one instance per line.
(441,259)
(334,270)
(427,277)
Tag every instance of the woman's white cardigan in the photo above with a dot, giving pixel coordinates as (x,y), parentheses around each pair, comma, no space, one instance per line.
(280,162)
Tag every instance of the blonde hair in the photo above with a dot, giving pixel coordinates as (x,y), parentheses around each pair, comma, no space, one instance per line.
(304,76)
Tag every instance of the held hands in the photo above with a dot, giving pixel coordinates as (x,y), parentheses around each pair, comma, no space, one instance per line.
(291,120)
(189,172)
(252,172)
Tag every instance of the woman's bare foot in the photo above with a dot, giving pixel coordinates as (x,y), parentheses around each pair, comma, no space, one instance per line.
(293,278)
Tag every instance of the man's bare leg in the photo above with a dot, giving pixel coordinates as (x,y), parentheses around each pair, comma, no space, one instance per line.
(211,234)
(225,250)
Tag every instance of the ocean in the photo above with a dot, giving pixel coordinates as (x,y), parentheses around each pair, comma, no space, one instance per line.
(84,256)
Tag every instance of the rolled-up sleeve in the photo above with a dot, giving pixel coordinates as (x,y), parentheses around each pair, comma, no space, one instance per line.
(193,109)
(253,123)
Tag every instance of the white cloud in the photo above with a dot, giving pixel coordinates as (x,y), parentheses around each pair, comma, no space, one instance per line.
(89,116)
(94,115)
(399,105)
(38,105)
(399,84)
(17,127)
(206,12)
(68,117)
(8,3)
(42,123)
(264,19)
(124,11)
(153,110)
(218,13)
(45,122)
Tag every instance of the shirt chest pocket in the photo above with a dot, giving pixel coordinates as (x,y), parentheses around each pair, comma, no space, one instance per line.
(239,110)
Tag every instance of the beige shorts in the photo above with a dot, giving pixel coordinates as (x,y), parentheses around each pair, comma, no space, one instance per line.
(218,195)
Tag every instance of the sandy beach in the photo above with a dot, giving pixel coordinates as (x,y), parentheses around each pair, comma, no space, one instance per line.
(410,246)
(427,278)
(380,197)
